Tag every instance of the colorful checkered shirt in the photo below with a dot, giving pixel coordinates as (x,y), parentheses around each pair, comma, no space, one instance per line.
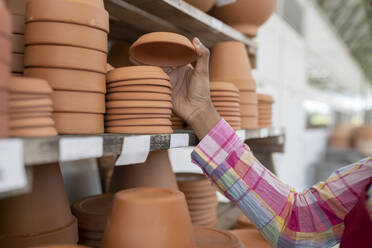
(313,218)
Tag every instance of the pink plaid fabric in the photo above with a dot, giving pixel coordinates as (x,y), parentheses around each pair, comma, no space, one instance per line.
(313,218)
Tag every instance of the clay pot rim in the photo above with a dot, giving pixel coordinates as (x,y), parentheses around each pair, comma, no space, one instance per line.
(223,86)
(140,82)
(134,71)
(266,98)
(35,86)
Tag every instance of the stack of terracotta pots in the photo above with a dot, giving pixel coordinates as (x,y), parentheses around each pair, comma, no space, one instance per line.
(5,64)
(230,63)
(66,44)
(265,110)
(201,198)
(177,122)
(363,139)
(155,217)
(342,135)
(138,101)
(30,108)
(155,172)
(41,217)
(225,97)
(18,10)
(92,214)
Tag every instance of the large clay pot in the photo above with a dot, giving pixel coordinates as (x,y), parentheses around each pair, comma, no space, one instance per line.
(155,172)
(203,5)
(149,217)
(78,102)
(245,15)
(40,217)
(135,73)
(78,123)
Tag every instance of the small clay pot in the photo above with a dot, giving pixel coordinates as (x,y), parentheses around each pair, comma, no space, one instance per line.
(66,34)
(251,238)
(78,102)
(30,103)
(265,98)
(65,57)
(205,5)
(132,219)
(155,172)
(248,97)
(41,131)
(248,110)
(119,55)
(29,86)
(17,62)
(68,11)
(249,122)
(138,96)
(18,43)
(163,49)
(138,104)
(140,130)
(155,82)
(6,46)
(31,122)
(141,88)
(78,123)
(135,116)
(223,86)
(136,72)
(139,122)
(67,79)
(18,24)
(139,111)
(17,7)
(209,237)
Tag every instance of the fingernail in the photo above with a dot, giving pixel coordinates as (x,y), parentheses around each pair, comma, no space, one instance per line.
(197,41)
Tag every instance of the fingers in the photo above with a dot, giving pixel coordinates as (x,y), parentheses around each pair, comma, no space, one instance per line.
(202,63)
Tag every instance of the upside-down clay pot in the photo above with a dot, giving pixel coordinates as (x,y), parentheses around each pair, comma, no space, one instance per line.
(138,82)
(223,86)
(251,238)
(138,104)
(264,98)
(40,217)
(42,131)
(31,122)
(139,122)
(136,72)
(135,116)
(140,130)
(155,172)
(141,88)
(163,49)
(30,103)
(245,15)
(204,5)
(122,111)
(78,123)
(249,122)
(149,217)
(78,102)
(138,95)
(30,86)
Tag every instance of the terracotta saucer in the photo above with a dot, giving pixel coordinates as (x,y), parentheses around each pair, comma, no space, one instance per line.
(140,130)
(248,97)
(136,72)
(220,93)
(29,85)
(225,99)
(17,43)
(135,116)
(265,98)
(208,237)
(67,34)
(139,122)
(31,122)
(15,116)
(141,88)
(78,123)
(163,49)
(17,62)
(138,96)
(139,111)
(67,79)
(251,238)
(25,96)
(155,82)
(223,86)
(139,104)
(18,24)
(30,103)
(33,132)
(249,110)
(32,110)
(78,102)
(69,12)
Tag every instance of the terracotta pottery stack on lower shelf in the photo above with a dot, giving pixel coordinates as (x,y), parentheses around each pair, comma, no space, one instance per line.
(5,64)
(201,198)
(138,101)
(225,97)
(66,44)
(30,108)
(92,214)
(265,110)
(18,10)
(155,172)
(155,217)
(177,122)
(41,217)
(230,63)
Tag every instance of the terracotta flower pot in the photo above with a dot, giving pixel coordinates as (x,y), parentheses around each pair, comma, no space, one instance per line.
(248,97)
(245,15)
(18,24)
(204,5)
(17,63)
(78,102)
(139,122)
(268,99)
(135,116)
(30,103)
(65,57)
(40,217)
(141,88)
(138,95)
(227,104)
(78,123)
(251,238)
(249,122)
(140,130)
(29,86)
(31,122)
(68,11)
(138,208)
(219,93)
(248,110)
(223,86)
(18,41)
(66,34)
(225,99)
(119,55)
(163,49)
(138,82)
(136,72)
(139,111)
(138,104)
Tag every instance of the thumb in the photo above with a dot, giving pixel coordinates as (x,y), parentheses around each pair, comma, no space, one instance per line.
(202,63)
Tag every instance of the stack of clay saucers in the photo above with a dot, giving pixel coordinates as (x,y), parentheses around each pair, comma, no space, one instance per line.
(138,101)
(5,64)
(18,10)
(30,108)
(66,44)
(230,63)
(265,110)
(201,198)
(225,98)
(177,122)
(92,213)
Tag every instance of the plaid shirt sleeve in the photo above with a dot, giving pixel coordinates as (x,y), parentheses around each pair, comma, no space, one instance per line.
(313,218)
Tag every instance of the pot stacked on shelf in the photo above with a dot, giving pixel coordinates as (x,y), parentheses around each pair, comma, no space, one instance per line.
(41,217)
(138,101)
(177,122)
(225,97)
(265,110)
(201,198)
(18,10)
(92,214)
(230,63)
(30,108)
(5,64)
(66,44)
